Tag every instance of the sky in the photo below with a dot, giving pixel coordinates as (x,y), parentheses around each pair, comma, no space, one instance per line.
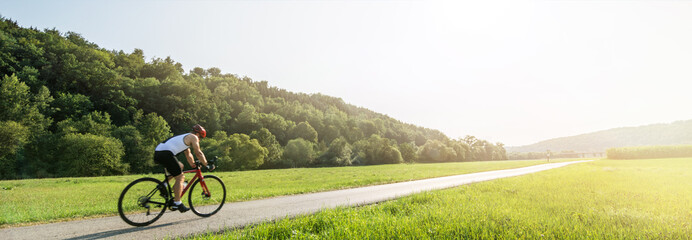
(515,72)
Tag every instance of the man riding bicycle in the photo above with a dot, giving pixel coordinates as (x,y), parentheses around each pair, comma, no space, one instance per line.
(165,156)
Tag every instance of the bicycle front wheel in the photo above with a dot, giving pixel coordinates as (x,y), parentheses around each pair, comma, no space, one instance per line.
(142,203)
(207,197)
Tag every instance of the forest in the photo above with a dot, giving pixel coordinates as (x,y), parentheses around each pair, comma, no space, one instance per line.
(71,108)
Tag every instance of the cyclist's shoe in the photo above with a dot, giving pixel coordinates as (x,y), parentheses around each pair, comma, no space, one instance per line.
(181,207)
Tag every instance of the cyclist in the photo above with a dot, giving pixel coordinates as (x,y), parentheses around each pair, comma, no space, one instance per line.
(165,156)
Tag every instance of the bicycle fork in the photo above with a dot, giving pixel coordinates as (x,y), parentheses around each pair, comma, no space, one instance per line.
(205,190)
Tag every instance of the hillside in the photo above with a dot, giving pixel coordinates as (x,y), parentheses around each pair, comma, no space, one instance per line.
(71,108)
(675,133)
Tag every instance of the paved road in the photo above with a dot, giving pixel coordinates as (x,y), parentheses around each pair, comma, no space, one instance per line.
(235,215)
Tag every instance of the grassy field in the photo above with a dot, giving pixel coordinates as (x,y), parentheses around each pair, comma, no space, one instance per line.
(605,199)
(48,200)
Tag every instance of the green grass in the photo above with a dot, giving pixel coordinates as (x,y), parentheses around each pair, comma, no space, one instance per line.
(605,199)
(48,200)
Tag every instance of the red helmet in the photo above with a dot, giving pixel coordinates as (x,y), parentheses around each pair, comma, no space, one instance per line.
(199,129)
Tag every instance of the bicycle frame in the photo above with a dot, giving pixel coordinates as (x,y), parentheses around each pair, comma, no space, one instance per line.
(198,175)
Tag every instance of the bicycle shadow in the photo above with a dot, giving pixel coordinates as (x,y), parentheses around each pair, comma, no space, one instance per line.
(113,233)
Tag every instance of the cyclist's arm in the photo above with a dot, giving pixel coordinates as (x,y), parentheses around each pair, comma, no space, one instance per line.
(190,159)
(198,151)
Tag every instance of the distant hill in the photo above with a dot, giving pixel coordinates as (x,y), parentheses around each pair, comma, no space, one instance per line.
(679,132)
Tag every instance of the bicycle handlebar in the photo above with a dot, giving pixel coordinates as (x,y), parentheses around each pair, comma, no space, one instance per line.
(210,162)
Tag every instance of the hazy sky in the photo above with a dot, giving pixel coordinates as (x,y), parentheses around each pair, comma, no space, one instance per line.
(515,72)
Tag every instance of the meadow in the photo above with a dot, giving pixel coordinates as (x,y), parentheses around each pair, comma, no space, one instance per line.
(604,199)
(34,201)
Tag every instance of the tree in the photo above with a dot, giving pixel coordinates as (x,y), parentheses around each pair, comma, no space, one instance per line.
(154,129)
(218,146)
(96,123)
(246,153)
(268,141)
(390,155)
(41,155)
(214,72)
(500,152)
(377,150)
(368,127)
(248,119)
(162,69)
(277,125)
(408,152)
(129,65)
(305,131)
(436,151)
(235,152)
(116,103)
(330,134)
(338,154)
(12,138)
(199,71)
(461,149)
(138,155)
(30,76)
(147,92)
(18,104)
(85,155)
(71,106)
(470,140)
(299,152)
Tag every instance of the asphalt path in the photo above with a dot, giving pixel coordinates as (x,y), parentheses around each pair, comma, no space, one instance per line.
(240,214)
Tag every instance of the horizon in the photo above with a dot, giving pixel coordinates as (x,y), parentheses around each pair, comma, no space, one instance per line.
(518,73)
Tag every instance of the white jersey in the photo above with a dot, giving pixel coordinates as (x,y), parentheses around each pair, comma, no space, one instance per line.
(175,144)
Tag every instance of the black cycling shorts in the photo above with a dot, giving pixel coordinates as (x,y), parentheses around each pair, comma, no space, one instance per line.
(168,161)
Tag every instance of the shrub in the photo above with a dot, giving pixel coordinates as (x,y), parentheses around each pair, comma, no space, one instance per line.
(246,153)
(235,152)
(84,155)
(338,154)
(299,152)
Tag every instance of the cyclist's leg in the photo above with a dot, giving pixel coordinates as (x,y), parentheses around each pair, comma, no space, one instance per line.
(178,187)
(174,168)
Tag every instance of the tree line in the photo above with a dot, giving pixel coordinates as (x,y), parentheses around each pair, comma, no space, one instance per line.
(647,152)
(543,155)
(71,108)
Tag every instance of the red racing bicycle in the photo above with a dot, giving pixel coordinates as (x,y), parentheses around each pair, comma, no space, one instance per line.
(144,200)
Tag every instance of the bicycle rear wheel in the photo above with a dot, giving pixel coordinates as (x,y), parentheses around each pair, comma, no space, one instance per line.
(206,203)
(142,202)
